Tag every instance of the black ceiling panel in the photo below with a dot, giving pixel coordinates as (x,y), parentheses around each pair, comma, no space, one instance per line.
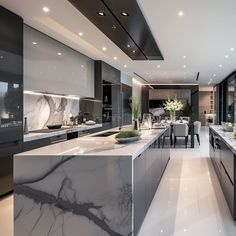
(130,33)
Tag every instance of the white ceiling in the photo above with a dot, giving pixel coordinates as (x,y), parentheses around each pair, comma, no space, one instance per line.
(204,34)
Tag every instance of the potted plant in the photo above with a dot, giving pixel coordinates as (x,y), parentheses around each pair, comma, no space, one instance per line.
(172,106)
(135,105)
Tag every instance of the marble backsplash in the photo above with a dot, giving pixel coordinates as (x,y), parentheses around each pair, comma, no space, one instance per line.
(42,110)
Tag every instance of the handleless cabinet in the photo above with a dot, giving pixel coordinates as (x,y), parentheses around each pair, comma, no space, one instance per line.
(139,190)
(148,169)
(223,159)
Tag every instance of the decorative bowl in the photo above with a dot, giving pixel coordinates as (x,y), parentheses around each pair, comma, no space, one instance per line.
(127,136)
(90,122)
(56,126)
(127,140)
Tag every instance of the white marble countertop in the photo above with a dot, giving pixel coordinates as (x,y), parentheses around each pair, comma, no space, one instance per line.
(65,130)
(98,146)
(227,137)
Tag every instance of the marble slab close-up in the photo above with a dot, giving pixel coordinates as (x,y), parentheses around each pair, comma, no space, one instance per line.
(228,137)
(72,195)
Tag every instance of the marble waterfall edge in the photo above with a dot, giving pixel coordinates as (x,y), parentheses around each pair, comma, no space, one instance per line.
(72,195)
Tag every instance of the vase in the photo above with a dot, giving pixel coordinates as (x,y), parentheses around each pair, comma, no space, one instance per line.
(26,130)
(173,116)
(136,124)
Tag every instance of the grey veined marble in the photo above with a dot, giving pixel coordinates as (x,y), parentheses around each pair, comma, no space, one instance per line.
(73,196)
(41,110)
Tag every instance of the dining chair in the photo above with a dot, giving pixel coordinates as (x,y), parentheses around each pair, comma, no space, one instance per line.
(187,118)
(197,129)
(180,130)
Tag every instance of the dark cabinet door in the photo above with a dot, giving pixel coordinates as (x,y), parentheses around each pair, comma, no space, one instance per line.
(27,146)
(227,158)
(157,167)
(139,188)
(165,155)
(149,175)
(228,189)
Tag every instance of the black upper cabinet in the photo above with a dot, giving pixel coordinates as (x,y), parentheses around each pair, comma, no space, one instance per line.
(130,33)
(11,32)
(108,90)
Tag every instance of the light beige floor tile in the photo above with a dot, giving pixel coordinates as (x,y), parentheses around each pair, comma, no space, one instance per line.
(6,216)
(189,200)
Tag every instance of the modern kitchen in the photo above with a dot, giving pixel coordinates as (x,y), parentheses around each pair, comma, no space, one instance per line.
(108,127)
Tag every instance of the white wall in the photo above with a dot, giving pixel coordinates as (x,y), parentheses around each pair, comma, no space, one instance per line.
(70,73)
(126,79)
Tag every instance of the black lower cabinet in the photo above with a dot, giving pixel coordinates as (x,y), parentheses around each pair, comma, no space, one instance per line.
(148,169)
(139,182)
(224,163)
(228,177)
(36,144)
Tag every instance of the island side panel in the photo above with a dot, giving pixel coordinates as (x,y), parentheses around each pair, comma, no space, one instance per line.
(72,195)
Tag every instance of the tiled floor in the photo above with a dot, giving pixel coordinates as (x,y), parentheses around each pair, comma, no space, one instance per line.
(189,200)
(6,216)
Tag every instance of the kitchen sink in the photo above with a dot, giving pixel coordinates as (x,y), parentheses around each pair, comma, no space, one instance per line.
(106,134)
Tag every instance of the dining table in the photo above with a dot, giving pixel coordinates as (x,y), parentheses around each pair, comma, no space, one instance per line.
(190,125)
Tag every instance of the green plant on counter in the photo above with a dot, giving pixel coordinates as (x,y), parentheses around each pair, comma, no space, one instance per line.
(128,134)
(135,105)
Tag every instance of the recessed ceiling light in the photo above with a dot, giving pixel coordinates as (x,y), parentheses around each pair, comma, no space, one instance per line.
(59,53)
(220,65)
(115,58)
(34,43)
(124,13)
(231,49)
(82,66)
(184,66)
(80,33)
(128,45)
(125,66)
(180,13)
(184,57)
(46,9)
(226,56)
(101,13)
(1,57)
(214,75)
(133,51)
(158,66)
(104,48)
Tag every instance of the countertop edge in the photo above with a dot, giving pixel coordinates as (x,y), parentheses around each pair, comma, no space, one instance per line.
(230,142)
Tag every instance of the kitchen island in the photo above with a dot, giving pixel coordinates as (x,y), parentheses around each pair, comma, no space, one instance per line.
(222,153)
(90,186)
